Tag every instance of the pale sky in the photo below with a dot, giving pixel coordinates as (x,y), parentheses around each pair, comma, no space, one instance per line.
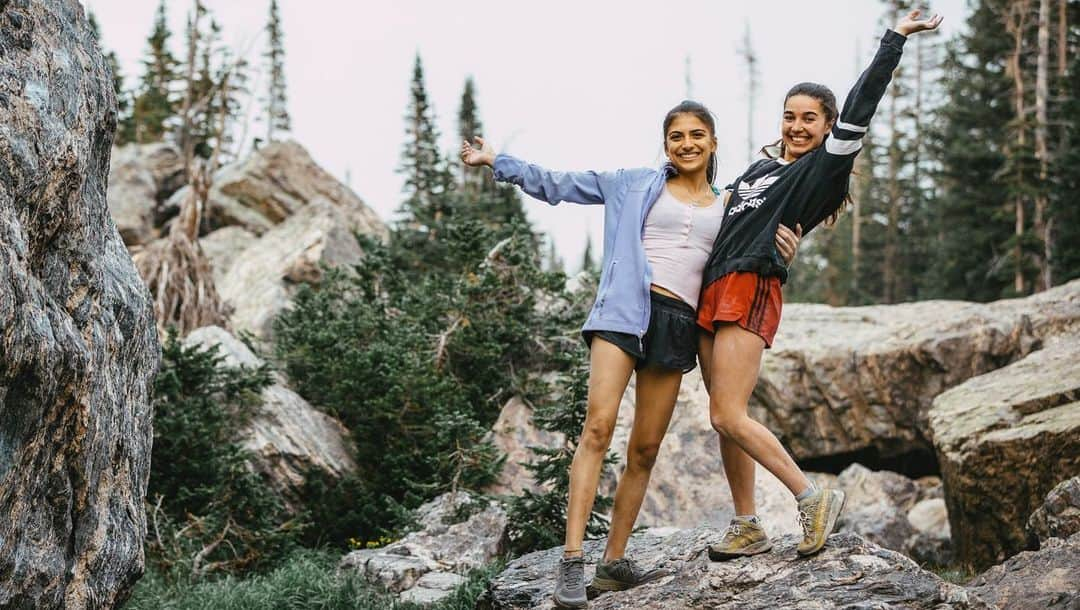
(571,85)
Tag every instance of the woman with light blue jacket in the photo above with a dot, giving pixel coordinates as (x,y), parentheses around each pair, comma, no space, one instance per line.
(659,228)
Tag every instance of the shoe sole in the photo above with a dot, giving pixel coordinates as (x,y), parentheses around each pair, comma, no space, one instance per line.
(830,525)
(753,549)
(567,606)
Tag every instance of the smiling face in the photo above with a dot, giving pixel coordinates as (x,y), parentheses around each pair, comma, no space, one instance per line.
(688,143)
(804,125)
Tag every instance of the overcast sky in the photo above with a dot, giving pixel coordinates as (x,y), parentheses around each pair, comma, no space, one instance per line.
(571,85)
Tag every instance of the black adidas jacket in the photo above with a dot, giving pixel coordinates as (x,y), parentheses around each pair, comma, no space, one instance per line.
(806,191)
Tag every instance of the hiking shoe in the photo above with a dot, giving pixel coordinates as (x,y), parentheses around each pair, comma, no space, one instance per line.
(621,574)
(742,538)
(817,516)
(570,583)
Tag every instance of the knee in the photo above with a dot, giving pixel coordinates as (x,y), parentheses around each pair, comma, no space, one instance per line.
(727,426)
(596,435)
(643,456)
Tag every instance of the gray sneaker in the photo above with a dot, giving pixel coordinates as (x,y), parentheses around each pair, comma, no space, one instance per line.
(570,584)
(621,574)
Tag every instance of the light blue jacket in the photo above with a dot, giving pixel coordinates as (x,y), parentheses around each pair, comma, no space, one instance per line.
(622,299)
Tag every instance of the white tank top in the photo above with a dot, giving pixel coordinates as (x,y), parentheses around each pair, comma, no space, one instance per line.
(678,238)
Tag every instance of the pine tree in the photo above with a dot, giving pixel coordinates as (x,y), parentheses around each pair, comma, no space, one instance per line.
(277,113)
(154,109)
(427,182)
(469,126)
(588,261)
(973,259)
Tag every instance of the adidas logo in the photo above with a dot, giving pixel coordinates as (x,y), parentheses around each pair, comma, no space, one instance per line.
(749,190)
(749,203)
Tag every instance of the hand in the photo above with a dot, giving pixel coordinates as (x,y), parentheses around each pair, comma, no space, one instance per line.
(787,242)
(910,25)
(474,157)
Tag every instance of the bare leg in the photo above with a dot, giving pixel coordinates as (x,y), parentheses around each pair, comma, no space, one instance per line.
(657,392)
(609,372)
(738,465)
(736,360)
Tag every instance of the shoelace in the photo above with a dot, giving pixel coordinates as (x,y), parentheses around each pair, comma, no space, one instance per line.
(733,529)
(574,578)
(805,521)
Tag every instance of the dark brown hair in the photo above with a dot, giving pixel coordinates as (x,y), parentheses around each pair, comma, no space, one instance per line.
(827,99)
(700,111)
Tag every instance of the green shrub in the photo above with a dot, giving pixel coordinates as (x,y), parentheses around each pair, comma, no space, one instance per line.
(417,366)
(305,580)
(208,513)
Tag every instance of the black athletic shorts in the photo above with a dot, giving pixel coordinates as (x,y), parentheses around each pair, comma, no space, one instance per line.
(670,342)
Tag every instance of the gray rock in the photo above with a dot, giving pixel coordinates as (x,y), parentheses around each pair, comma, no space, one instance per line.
(287,437)
(275,182)
(457,533)
(223,246)
(140,177)
(877,505)
(78,347)
(1003,441)
(1047,578)
(931,542)
(263,277)
(1059,515)
(850,572)
(844,379)
(513,434)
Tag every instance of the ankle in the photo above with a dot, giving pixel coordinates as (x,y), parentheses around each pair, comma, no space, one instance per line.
(573,554)
(806,493)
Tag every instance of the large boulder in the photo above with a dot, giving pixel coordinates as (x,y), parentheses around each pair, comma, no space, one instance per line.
(1048,578)
(223,246)
(457,533)
(275,182)
(263,277)
(78,347)
(287,437)
(840,380)
(141,176)
(514,434)
(850,572)
(1059,515)
(1004,440)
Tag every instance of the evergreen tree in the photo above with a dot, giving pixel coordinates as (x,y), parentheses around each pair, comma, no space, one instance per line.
(588,261)
(154,109)
(277,113)
(973,259)
(473,179)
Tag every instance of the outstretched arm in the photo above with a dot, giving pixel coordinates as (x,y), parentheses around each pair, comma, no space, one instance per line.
(546,185)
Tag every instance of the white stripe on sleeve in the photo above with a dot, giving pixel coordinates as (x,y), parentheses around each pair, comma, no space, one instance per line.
(835,146)
(850,127)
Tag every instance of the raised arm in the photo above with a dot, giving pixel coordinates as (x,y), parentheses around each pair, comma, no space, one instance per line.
(553,187)
(837,158)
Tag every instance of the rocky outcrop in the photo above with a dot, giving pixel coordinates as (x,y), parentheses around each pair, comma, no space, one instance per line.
(896,512)
(457,533)
(849,379)
(513,434)
(141,176)
(1059,515)
(1004,440)
(1047,578)
(272,184)
(850,572)
(287,437)
(263,277)
(78,348)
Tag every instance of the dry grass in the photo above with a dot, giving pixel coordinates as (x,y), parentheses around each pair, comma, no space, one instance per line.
(177,272)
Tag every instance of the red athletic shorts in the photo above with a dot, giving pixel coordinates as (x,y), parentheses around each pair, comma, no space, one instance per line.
(751,301)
